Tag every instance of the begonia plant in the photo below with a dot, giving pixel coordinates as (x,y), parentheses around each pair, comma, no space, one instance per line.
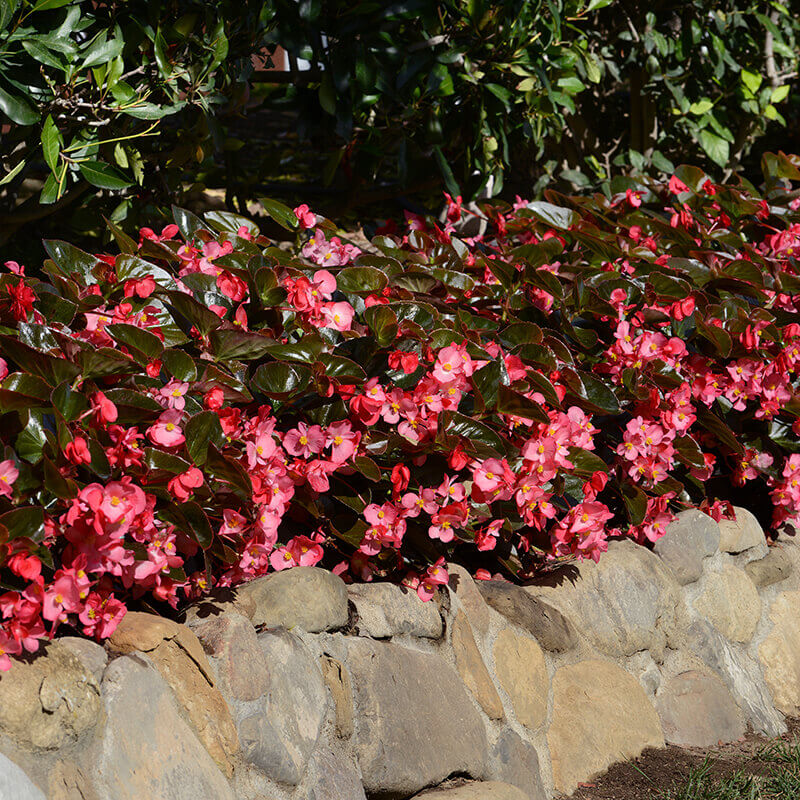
(201,407)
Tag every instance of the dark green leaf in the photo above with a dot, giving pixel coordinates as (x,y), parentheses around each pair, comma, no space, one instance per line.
(382,321)
(355,280)
(68,402)
(102,175)
(26,522)
(190,519)
(227,345)
(279,380)
(200,431)
(282,214)
(136,338)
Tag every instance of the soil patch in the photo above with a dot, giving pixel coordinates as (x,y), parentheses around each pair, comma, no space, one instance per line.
(656,771)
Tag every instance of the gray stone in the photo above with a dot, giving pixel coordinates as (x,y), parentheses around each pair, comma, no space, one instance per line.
(279,732)
(15,784)
(696,710)
(220,601)
(775,567)
(690,537)
(627,602)
(730,602)
(646,671)
(601,715)
(516,762)
(231,642)
(308,598)
(332,776)
(178,655)
(480,790)
(49,700)
(740,673)
(89,653)
(742,533)
(385,610)
(147,750)
(415,722)
(543,621)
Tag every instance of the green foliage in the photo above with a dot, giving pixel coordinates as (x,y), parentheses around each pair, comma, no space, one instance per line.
(534,89)
(118,98)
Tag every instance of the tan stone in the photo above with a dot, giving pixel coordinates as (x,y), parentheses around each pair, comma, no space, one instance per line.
(779,653)
(201,700)
(601,715)
(48,700)
(464,588)
(775,567)
(337,679)
(68,782)
(385,610)
(482,790)
(742,533)
(472,669)
(730,602)
(144,632)
(177,653)
(520,667)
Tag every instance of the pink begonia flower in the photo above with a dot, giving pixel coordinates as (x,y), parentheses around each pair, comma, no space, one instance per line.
(3,369)
(305,217)
(414,503)
(8,474)
(104,410)
(77,451)
(338,316)
(167,431)
(267,523)
(120,500)
(318,472)
(489,475)
(282,558)
(173,395)
(261,450)
(61,598)
(233,523)
(182,486)
(446,520)
(101,615)
(255,558)
(435,576)
(342,440)
(304,440)
(306,552)
(8,646)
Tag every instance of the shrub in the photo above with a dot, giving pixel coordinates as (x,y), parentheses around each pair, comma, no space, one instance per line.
(538,90)
(116,99)
(203,407)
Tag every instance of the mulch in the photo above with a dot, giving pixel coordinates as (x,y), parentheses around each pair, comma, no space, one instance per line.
(656,771)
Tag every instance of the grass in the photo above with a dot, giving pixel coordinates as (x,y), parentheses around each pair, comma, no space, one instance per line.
(774,775)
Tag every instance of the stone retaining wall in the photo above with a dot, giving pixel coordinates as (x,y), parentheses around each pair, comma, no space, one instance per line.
(297,687)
